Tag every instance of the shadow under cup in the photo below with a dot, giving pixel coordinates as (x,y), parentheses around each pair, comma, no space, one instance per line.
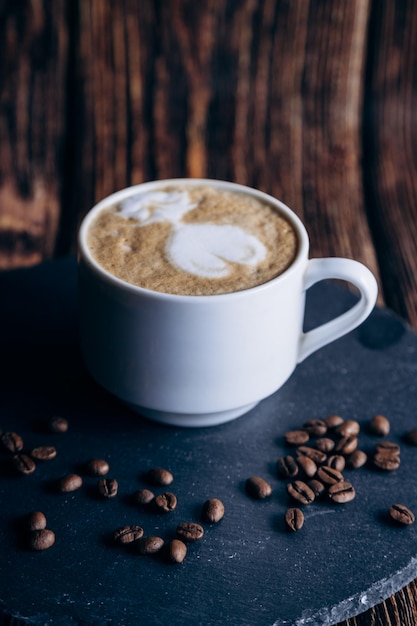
(204,360)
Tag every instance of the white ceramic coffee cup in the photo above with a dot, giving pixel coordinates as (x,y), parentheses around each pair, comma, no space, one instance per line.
(204,360)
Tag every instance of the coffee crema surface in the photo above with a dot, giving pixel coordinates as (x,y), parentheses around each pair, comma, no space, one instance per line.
(192,240)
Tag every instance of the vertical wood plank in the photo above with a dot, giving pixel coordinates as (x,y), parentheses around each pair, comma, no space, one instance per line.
(390,135)
(33,62)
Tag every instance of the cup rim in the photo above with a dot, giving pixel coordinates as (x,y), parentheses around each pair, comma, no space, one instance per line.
(85,254)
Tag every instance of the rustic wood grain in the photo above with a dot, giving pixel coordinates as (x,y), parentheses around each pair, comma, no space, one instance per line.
(390,140)
(33,58)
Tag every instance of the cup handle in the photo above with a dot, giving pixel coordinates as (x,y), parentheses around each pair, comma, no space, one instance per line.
(344,269)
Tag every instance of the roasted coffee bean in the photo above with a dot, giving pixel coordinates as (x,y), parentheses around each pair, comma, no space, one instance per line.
(357,459)
(127,534)
(23,464)
(411,437)
(296,437)
(70,482)
(329,476)
(58,425)
(379,425)
(301,492)
(401,514)
(317,487)
(307,466)
(342,492)
(325,444)
(213,511)
(337,461)
(159,476)
(190,531)
(42,539)
(36,521)
(11,442)
(349,428)
(43,453)
(333,421)
(315,427)
(149,545)
(143,496)
(165,502)
(258,488)
(386,462)
(108,487)
(315,455)
(388,447)
(287,467)
(177,551)
(98,467)
(346,445)
(294,518)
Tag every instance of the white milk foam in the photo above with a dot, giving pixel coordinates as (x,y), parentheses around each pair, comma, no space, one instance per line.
(199,249)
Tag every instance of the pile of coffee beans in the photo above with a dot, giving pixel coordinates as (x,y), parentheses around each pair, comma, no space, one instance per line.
(322,449)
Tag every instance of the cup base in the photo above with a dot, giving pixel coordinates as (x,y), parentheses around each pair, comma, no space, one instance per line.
(192,420)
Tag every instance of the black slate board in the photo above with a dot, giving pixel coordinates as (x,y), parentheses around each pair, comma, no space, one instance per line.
(248,570)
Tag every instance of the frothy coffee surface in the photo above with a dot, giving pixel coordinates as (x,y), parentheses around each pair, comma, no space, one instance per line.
(192,240)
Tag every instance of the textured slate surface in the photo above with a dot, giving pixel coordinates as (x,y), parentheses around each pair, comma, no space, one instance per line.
(248,570)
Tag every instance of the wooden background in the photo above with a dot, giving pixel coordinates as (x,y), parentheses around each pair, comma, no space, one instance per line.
(313,101)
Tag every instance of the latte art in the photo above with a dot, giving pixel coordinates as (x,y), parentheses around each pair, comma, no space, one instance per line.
(199,249)
(192,240)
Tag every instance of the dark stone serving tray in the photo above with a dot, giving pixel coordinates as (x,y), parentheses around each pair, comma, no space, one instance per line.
(248,570)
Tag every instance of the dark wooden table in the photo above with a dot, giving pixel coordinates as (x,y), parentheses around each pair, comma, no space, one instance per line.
(313,101)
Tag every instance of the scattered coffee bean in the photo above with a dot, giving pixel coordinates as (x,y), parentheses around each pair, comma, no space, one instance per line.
(349,428)
(337,461)
(388,447)
(296,437)
(411,437)
(149,545)
(36,521)
(317,487)
(332,421)
(11,442)
(294,518)
(287,467)
(108,487)
(307,466)
(258,488)
(386,462)
(328,475)
(213,511)
(325,444)
(98,467)
(401,514)
(315,455)
(143,496)
(23,464)
(301,492)
(58,425)
(70,482)
(165,502)
(159,476)
(357,459)
(42,539)
(190,531)
(127,534)
(177,551)
(342,492)
(346,445)
(315,427)
(379,425)
(43,453)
